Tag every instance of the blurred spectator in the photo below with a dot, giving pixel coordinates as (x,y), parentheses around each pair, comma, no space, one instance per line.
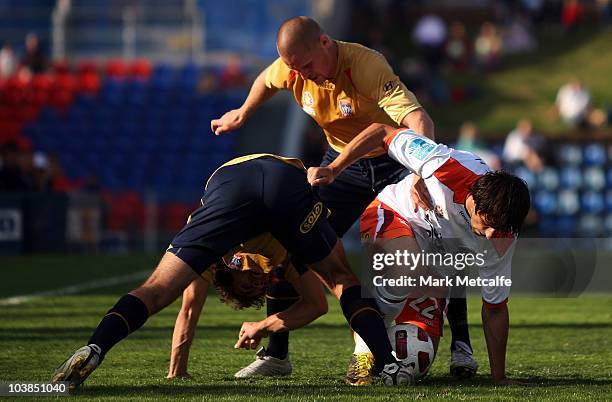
(57,179)
(458,48)
(570,14)
(573,103)
(468,141)
(232,75)
(604,11)
(534,9)
(12,177)
(488,46)
(8,61)
(524,146)
(34,58)
(430,35)
(517,37)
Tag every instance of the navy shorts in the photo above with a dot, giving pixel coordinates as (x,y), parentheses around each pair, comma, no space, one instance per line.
(250,198)
(356,187)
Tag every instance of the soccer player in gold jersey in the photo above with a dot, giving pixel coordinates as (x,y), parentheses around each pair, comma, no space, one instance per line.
(344,87)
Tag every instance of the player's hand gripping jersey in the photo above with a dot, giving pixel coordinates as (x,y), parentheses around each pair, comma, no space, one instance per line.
(448,174)
(364,90)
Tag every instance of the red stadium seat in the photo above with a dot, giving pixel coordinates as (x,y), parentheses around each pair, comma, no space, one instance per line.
(116,68)
(174,216)
(87,67)
(89,83)
(141,69)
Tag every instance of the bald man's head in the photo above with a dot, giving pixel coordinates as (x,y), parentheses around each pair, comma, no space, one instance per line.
(298,34)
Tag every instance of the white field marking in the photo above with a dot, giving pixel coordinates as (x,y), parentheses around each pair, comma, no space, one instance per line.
(74,289)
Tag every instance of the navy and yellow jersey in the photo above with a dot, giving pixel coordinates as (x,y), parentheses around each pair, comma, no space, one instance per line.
(291,161)
(262,254)
(364,90)
(261,206)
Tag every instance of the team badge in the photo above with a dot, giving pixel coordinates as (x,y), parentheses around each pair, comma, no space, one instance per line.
(346,107)
(236,262)
(307,103)
(311,218)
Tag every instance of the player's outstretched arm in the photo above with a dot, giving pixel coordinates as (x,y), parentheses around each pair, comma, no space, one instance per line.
(495,322)
(370,139)
(194,297)
(420,122)
(234,119)
(312,305)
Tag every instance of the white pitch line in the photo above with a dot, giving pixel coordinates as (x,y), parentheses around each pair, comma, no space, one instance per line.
(74,289)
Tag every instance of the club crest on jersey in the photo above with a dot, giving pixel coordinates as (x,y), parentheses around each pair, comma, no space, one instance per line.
(307,103)
(311,218)
(236,262)
(346,107)
(420,148)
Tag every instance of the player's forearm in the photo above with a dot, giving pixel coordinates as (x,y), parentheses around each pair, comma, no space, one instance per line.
(258,94)
(496,325)
(194,298)
(370,139)
(420,122)
(297,316)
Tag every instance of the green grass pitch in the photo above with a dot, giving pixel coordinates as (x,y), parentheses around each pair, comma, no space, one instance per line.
(561,348)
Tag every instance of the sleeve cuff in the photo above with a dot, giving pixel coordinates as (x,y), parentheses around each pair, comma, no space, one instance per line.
(389,138)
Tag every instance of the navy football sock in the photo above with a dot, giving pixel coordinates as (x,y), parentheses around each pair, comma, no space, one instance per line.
(279,297)
(129,314)
(364,318)
(457,320)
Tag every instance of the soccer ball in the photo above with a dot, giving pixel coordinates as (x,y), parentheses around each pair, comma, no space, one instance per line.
(412,345)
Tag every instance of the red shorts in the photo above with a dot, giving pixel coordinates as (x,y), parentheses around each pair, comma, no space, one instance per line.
(379,221)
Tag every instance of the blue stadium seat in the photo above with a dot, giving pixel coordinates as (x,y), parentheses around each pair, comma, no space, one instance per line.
(548,179)
(566,226)
(568,202)
(594,154)
(570,154)
(570,178)
(545,202)
(608,199)
(592,202)
(594,178)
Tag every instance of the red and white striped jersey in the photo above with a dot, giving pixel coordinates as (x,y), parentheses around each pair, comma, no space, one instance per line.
(448,174)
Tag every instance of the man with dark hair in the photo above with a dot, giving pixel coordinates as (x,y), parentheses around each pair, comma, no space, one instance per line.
(344,87)
(246,200)
(476,210)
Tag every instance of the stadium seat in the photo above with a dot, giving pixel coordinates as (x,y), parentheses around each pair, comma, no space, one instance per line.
(570,178)
(608,200)
(545,202)
(592,202)
(568,202)
(594,178)
(548,179)
(565,226)
(570,154)
(594,154)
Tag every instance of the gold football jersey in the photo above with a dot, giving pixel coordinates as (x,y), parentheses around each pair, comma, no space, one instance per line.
(261,253)
(365,90)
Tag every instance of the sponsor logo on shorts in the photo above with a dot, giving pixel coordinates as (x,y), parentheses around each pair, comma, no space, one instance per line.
(346,107)
(420,148)
(312,218)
